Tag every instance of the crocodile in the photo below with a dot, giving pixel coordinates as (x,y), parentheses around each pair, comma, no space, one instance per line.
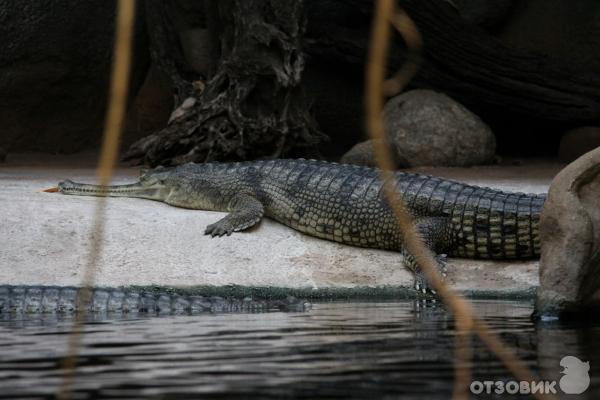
(346,204)
(19,300)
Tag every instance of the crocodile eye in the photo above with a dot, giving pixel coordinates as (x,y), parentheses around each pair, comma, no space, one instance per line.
(148,179)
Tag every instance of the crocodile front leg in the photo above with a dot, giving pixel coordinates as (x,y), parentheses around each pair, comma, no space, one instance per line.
(245,211)
(436,234)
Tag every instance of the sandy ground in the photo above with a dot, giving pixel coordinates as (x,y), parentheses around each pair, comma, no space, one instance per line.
(45,238)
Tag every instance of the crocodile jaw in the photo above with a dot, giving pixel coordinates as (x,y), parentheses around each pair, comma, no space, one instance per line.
(153,192)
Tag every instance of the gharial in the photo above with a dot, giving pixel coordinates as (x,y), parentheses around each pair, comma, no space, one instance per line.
(346,204)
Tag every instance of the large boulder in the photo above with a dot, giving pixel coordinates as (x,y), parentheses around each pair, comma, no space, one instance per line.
(427,128)
(570,237)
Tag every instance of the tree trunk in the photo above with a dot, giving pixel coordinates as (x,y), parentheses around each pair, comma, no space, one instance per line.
(253,107)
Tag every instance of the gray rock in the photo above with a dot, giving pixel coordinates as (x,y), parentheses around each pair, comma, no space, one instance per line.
(570,237)
(429,128)
(577,142)
(426,128)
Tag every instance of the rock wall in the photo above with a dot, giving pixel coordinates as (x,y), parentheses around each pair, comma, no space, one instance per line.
(55,63)
(54,71)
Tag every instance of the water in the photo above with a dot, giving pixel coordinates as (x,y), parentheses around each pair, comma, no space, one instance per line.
(343,350)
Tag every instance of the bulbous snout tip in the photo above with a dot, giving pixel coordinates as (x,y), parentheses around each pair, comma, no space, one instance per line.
(66,185)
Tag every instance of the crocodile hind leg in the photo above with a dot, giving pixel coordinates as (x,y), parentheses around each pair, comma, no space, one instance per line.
(245,211)
(436,234)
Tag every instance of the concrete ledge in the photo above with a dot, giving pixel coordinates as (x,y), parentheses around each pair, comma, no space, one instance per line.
(45,240)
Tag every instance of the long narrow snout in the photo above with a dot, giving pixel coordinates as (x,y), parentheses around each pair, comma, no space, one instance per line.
(128,190)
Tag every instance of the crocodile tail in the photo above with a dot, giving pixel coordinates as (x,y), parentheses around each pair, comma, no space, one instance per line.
(64,300)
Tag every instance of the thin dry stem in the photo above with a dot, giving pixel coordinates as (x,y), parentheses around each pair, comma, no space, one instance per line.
(108,156)
(463,356)
(461,309)
(414,43)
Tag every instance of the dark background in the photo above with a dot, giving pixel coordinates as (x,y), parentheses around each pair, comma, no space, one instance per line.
(55,63)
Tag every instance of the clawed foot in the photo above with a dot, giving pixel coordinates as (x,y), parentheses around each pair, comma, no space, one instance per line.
(421,283)
(219,228)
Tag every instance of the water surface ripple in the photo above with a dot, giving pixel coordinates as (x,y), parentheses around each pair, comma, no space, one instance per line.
(345,350)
